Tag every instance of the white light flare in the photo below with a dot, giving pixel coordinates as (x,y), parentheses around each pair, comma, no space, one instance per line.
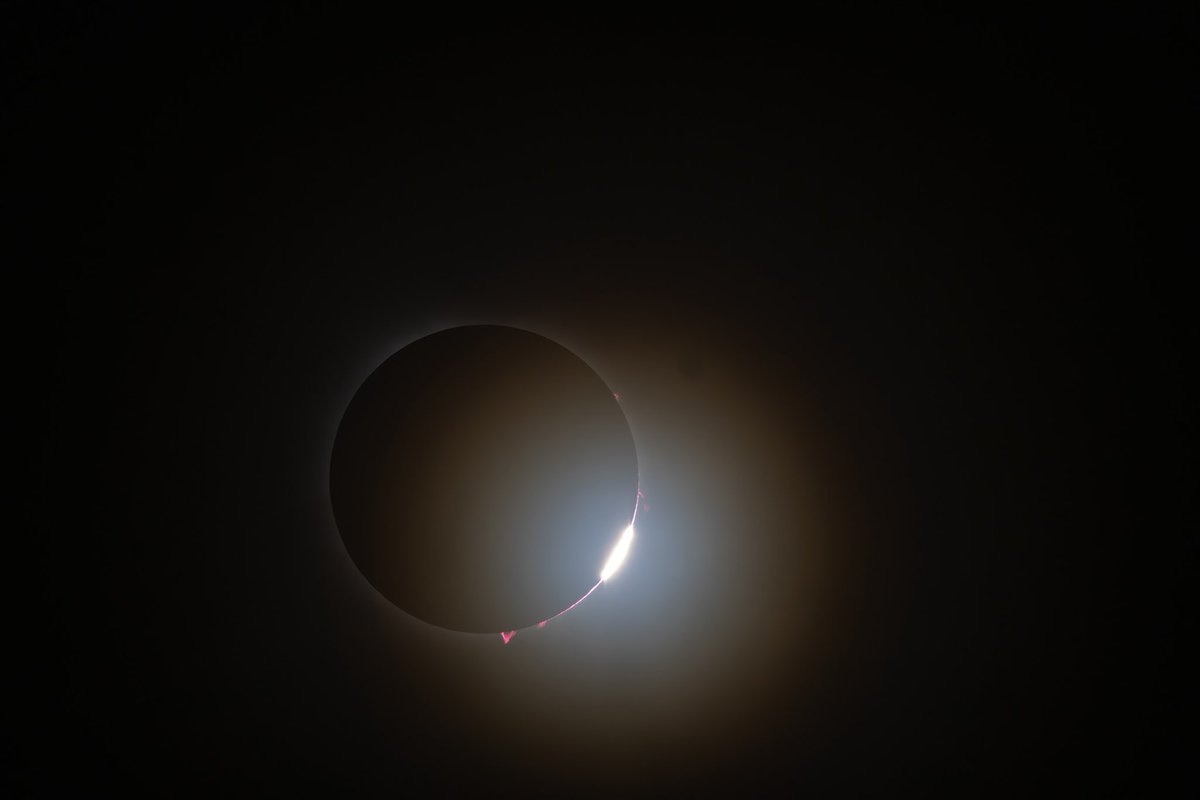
(617,558)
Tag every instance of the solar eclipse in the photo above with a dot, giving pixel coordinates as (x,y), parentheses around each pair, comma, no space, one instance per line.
(483,478)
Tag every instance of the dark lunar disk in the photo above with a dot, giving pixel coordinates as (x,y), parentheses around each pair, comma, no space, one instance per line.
(480,477)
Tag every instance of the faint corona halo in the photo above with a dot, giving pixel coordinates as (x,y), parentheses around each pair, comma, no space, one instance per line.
(482,479)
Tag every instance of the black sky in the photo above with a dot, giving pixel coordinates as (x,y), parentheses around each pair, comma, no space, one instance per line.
(878,295)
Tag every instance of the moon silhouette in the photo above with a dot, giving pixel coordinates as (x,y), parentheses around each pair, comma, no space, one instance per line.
(480,476)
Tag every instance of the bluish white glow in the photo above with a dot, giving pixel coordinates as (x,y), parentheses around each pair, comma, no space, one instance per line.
(618,554)
(615,560)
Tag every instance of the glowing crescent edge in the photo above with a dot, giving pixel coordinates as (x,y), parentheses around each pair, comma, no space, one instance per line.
(615,559)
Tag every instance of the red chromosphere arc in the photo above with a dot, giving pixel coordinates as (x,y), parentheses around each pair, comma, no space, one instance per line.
(508,635)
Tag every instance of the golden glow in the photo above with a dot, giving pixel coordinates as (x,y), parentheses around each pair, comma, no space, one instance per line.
(618,554)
